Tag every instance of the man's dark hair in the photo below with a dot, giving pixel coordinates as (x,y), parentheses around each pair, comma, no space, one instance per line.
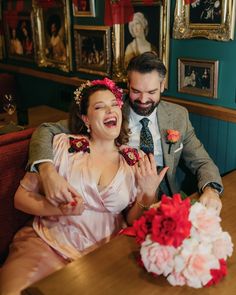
(146,63)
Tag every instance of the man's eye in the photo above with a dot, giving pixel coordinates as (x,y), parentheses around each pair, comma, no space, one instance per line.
(135,91)
(152,92)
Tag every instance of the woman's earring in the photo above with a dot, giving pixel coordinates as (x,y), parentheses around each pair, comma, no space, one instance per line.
(88,129)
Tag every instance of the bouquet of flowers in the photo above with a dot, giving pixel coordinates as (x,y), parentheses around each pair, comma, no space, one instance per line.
(184,243)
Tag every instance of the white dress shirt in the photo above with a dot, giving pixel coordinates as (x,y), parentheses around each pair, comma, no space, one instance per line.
(135,128)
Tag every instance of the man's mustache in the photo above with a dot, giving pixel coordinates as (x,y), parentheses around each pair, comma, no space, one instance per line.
(138,102)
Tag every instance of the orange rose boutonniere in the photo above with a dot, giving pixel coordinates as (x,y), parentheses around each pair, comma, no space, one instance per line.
(172,137)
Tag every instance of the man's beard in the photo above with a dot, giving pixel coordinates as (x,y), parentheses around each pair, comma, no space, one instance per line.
(135,105)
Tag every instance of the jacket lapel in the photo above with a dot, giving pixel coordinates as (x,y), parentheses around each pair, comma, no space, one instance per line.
(165,122)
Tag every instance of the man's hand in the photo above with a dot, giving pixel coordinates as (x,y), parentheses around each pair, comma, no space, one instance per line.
(210,198)
(56,189)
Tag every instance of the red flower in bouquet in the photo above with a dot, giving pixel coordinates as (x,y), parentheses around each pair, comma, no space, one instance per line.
(170,225)
(131,155)
(218,274)
(78,145)
(143,225)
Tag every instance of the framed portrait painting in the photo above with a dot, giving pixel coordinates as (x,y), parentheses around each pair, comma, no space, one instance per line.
(83,8)
(147,31)
(198,77)
(53,36)
(211,19)
(93,49)
(19,35)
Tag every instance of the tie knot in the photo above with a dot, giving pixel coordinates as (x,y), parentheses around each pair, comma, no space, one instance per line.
(144,122)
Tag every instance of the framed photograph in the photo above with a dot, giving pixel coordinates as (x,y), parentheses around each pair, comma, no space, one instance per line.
(93,49)
(84,8)
(211,19)
(53,35)
(198,77)
(148,31)
(19,37)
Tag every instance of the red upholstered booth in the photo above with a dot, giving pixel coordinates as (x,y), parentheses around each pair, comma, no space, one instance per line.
(13,158)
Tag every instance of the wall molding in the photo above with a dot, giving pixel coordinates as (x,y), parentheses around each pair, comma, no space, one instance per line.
(217,112)
(73,81)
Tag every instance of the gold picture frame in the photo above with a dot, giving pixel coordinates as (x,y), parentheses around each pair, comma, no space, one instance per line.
(198,77)
(19,39)
(53,36)
(84,8)
(210,19)
(158,15)
(93,49)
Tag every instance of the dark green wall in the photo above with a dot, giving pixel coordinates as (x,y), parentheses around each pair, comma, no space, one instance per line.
(219,137)
(53,94)
(225,52)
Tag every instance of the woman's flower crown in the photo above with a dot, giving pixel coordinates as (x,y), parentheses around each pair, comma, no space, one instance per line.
(118,92)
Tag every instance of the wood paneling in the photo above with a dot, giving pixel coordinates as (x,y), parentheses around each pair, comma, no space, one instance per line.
(213,111)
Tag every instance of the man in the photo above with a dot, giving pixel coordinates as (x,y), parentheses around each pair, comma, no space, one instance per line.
(146,80)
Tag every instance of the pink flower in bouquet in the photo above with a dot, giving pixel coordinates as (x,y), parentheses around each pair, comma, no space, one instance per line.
(198,265)
(170,226)
(157,258)
(223,246)
(206,222)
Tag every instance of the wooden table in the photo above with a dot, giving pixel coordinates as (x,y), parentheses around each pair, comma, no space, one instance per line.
(112,269)
(37,115)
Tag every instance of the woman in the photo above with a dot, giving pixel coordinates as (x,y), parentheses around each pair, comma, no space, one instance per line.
(138,29)
(102,170)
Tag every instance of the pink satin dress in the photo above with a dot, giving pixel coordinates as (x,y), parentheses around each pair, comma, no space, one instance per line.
(54,241)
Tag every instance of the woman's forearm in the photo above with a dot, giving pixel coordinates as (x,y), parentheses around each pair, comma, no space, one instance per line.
(141,204)
(34,203)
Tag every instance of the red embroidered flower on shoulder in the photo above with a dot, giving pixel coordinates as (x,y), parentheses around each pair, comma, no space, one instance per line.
(131,155)
(78,145)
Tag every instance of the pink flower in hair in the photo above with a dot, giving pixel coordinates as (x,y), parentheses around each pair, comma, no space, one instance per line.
(118,92)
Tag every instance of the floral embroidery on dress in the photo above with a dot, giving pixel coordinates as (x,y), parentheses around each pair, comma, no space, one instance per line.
(78,145)
(131,155)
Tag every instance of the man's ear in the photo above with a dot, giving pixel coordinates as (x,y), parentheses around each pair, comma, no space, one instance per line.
(163,85)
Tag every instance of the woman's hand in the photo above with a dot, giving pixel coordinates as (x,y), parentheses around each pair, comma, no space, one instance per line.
(147,177)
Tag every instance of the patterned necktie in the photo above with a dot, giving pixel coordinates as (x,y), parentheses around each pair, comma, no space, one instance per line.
(146,140)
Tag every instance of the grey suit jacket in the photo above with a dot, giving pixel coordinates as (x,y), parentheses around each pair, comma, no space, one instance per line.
(169,116)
